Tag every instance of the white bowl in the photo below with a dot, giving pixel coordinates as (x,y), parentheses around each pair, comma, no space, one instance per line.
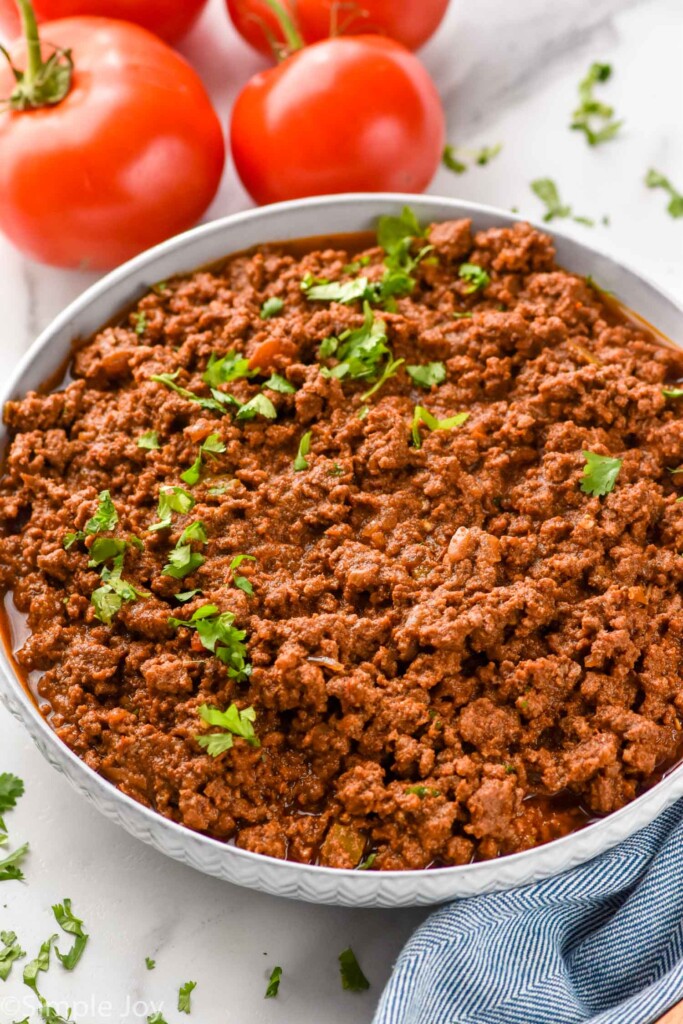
(208,243)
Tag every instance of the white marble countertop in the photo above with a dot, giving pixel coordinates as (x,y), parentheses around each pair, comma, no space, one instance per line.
(508,73)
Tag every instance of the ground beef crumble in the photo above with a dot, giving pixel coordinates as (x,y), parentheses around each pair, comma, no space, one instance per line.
(455,652)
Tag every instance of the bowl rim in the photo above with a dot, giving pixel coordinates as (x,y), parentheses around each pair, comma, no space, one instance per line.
(176,245)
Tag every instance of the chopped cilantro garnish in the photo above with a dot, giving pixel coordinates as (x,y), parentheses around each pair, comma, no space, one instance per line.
(352,977)
(423,415)
(360,352)
(427,375)
(271,307)
(475,275)
(106,516)
(211,446)
(41,963)
(277,383)
(390,370)
(218,403)
(366,864)
(108,598)
(462,315)
(356,265)
(234,722)
(600,473)
(140,321)
(72,925)
(672,392)
(159,288)
(10,952)
(422,791)
(149,440)
(156,1018)
(223,369)
(337,291)
(300,462)
(182,561)
(654,179)
(336,470)
(456,163)
(241,581)
(396,236)
(592,117)
(172,499)
(218,635)
(72,538)
(11,788)
(259,405)
(363,411)
(221,488)
(273,983)
(191,476)
(149,963)
(104,548)
(184,996)
(187,595)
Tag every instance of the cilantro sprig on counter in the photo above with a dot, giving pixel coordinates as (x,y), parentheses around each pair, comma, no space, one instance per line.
(592,117)
(654,179)
(185,996)
(11,952)
(547,191)
(72,925)
(454,157)
(352,977)
(234,723)
(600,473)
(273,983)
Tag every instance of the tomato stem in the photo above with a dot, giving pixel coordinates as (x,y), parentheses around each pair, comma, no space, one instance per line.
(43,83)
(34,60)
(290,31)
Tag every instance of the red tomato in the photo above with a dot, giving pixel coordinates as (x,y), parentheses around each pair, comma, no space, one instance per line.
(132,155)
(410,22)
(170,19)
(353,114)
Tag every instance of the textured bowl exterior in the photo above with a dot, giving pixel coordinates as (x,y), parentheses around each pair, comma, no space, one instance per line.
(320,216)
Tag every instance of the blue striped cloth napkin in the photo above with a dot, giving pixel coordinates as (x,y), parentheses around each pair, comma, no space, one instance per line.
(601,944)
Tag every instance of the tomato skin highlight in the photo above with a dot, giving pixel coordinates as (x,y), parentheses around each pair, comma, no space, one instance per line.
(132,155)
(410,22)
(351,114)
(169,19)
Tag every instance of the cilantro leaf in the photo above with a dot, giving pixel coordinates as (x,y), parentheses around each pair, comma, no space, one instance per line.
(172,499)
(216,404)
(195,531)
(390,370)
(140,323)
(259,405)
(108,599)
(271,307)
(9,871)
(10,952)
(11,788)
(156,1018)
(184,996)
(360,352)
(600,473)
(481,157)
(654,179)
(428,374)
(475,275)
(366,864)
(213,445)
(105,518)
(182,561)
(423,415)
(223,369)
(149,440)
(218,635)
(422,791)
(352,977)
(106,603)
(241,581)
(593,118)
(300,462)
(41,963)
(396,234)
(72,925)
(72,538)
(234,722)
(273,983)
(192,475)
(149,963)
(546,190)
(104,548)
(278,383)
(187,595)
(337,291)
(672,392)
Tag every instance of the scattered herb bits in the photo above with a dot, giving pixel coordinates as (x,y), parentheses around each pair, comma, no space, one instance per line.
(185,996)
(458,159)
(273,983)
(72,925)
(653,179)
(300,462)
(592,117)
(271,308)
(476,277)
(352,977)
(234,722)
(428,375)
